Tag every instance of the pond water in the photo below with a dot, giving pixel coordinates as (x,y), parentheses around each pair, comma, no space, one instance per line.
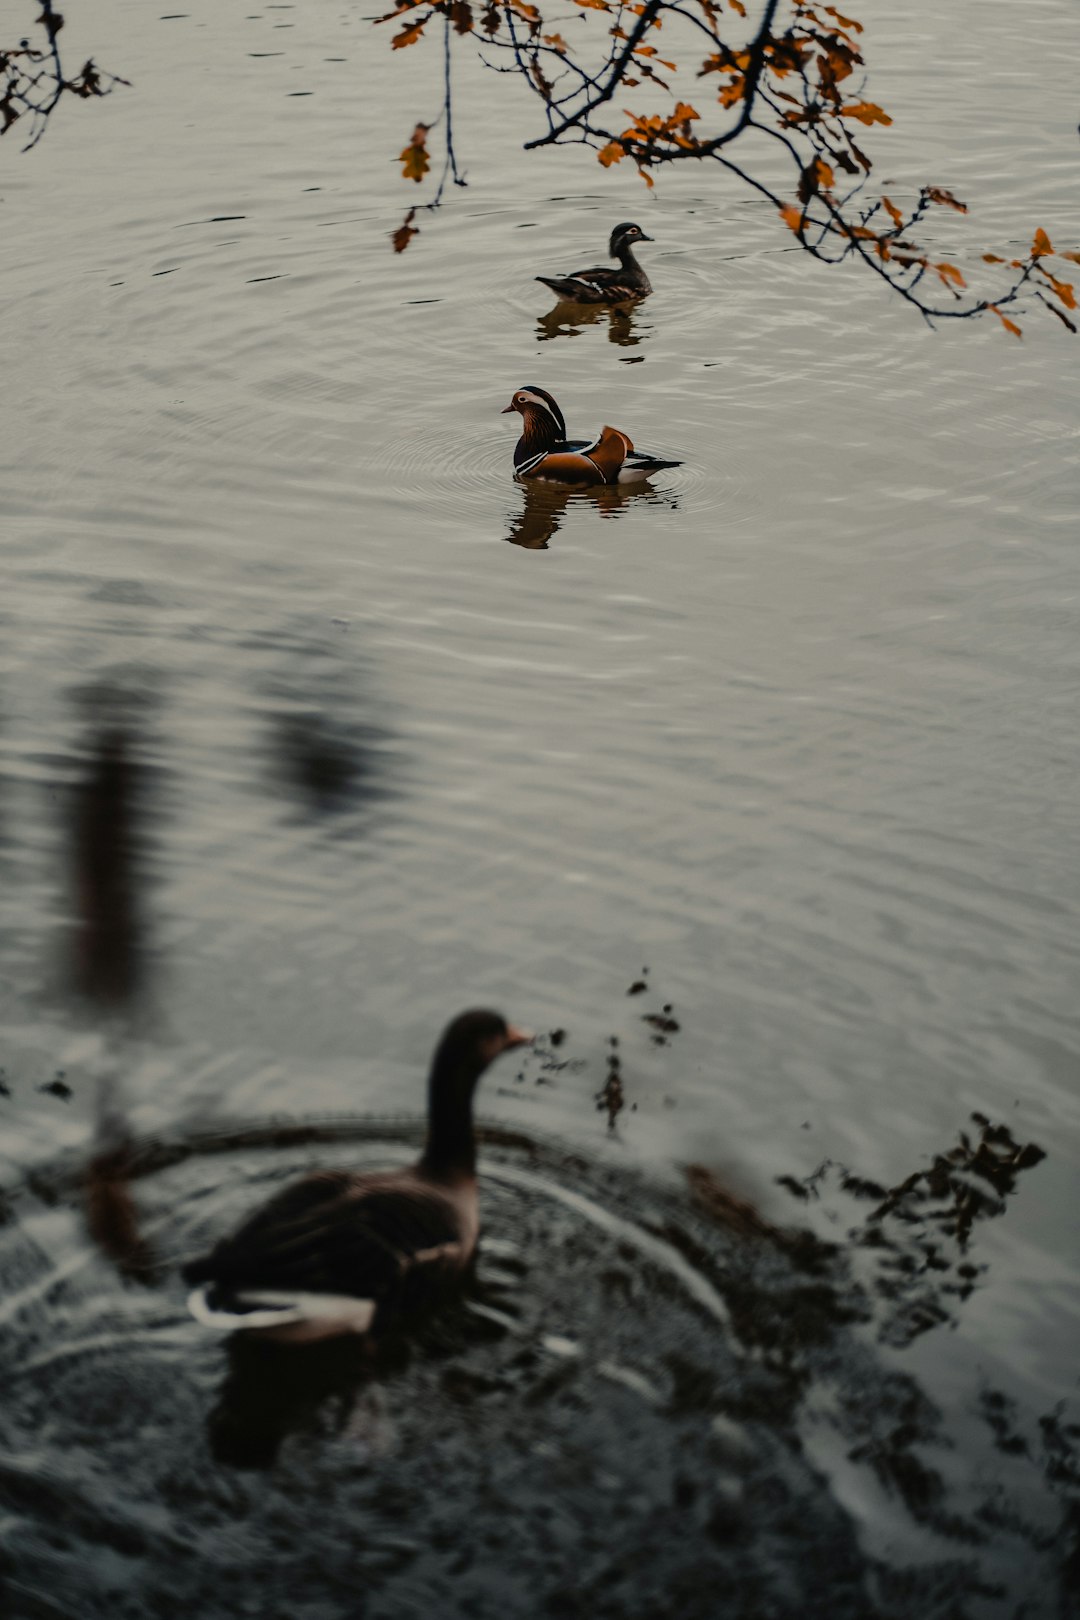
(789,738)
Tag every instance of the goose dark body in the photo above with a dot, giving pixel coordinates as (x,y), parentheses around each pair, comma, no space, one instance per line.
(332,1252)
(604,285)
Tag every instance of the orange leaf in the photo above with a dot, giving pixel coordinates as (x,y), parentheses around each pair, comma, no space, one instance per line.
(893,212)
(792,217)
(845,22)
(992,258)
(414,160)
(594,5)
(1062,288)
(1040,247)
(408,36)
(1075,257)
(646,176)
(866,112)
(613,152)
(683,113)
(950,274)
(1010,326)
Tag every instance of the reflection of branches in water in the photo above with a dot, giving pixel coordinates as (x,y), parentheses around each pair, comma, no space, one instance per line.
(546,506)
(568,320)
(924,1225)
(33,80)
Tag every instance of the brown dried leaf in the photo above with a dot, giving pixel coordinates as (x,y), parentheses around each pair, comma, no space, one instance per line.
(409,35)
(938,194)
(866,112)
(1010,326)
(405,232)
(414,159)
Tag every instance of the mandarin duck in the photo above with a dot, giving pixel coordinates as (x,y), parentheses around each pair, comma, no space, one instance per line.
(604,285)
(544,451)
(338,1249)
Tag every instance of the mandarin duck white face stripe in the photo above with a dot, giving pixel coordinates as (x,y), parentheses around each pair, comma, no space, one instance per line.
(541,398)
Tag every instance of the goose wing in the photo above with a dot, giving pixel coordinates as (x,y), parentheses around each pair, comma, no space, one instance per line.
(335,1234)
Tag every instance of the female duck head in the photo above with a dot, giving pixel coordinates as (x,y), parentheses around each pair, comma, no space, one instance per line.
(623,238)
(472,1042)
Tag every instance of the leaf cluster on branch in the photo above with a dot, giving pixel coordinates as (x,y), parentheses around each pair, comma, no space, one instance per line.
(782,78)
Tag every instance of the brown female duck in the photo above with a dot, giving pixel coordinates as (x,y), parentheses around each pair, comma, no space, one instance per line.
(331,1252)
(604,285)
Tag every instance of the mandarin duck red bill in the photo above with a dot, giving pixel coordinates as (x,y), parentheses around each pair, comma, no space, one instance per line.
(544,451)
(604,285)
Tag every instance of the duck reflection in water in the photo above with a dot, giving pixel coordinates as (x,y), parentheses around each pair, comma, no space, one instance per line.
(569,319)
(546,505)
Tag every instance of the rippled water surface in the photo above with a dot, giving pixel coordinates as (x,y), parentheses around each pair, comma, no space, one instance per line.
(788,738)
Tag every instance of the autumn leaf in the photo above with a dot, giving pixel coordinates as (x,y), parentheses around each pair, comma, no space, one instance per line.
(461,16)
(613,152)
(938,194)
(1062,288)
(1075,257)
(405,232)
(992,258)
(408,36)
(414,160)
(556,42)
(866,112)
(845,22)
(646,176)
(593,5)
(792,218)
(1010,326)
(817,176)
(950,275)
(893,212)
(1040,247)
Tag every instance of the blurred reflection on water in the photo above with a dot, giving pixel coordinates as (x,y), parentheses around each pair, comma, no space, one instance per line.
(109,807)
(626,324)
(546,506)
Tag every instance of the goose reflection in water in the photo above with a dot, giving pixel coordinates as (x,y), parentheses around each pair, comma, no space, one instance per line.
(545,506)
(568,320)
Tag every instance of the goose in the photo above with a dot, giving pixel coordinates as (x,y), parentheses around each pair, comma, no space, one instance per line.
(333,1251)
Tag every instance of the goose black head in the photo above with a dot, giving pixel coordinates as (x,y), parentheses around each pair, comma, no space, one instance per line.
(468,1045)
(623,238)
(530,401)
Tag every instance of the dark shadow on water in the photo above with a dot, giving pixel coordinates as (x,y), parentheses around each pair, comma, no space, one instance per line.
(624,326)
(273,1390)
(106,828)
(546,507)
(328,743)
